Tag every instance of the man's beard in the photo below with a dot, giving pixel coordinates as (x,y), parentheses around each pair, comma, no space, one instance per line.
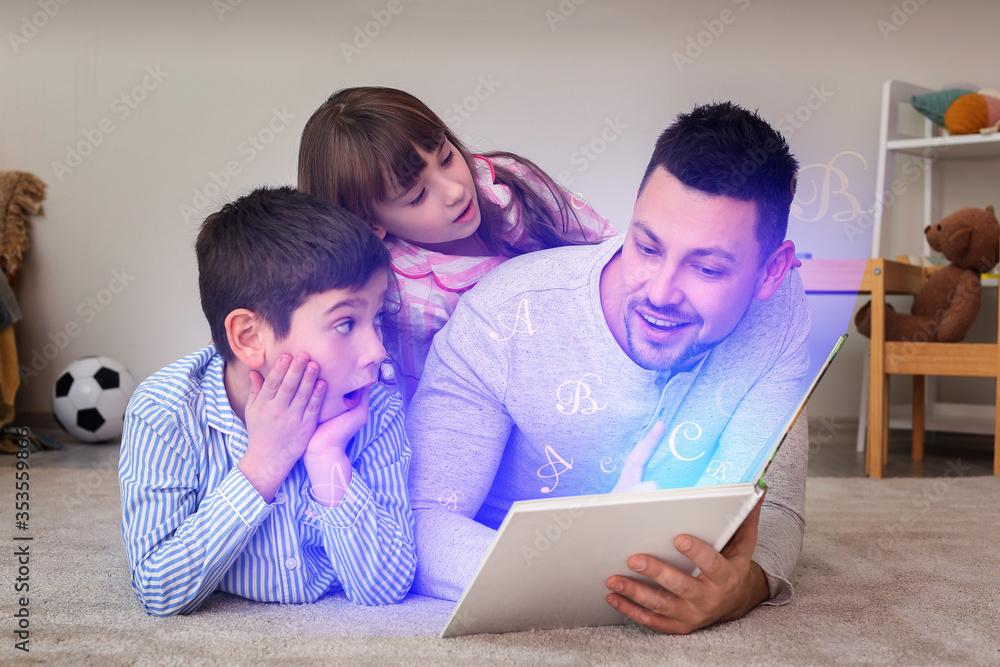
(647,353)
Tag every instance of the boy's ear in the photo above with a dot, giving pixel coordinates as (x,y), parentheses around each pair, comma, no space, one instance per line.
(245,331)
(773,272)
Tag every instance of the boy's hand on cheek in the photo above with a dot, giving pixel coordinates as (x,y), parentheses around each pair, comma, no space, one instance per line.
(326,460)
(281,415)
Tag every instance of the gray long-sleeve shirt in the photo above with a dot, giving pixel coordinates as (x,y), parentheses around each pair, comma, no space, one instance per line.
(526,394)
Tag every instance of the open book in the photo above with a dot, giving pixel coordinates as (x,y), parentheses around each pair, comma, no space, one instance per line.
(550,558)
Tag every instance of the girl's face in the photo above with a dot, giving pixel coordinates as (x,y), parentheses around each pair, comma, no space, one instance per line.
(439,210)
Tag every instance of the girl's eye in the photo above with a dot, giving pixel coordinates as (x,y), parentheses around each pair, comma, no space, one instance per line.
(345,327)
(416,200)
(378,319)
(447,160)
(645,249)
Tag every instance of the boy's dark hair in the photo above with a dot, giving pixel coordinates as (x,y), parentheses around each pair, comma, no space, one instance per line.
(724,149)
(272,249)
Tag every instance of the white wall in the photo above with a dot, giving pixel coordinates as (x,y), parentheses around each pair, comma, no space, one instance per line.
(228,70)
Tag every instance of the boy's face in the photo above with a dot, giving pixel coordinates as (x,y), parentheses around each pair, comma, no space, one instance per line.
(341,331)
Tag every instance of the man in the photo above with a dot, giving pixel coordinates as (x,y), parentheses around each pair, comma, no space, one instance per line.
(558,362)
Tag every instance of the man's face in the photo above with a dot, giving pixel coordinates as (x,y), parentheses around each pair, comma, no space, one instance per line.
(341,331)
(690,267)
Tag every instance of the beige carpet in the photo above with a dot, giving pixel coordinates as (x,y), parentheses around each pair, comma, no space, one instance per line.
(901,571)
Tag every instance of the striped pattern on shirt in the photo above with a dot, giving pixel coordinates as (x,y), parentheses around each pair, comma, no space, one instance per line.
(193,524)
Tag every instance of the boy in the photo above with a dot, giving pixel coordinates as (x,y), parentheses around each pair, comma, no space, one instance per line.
(270,464)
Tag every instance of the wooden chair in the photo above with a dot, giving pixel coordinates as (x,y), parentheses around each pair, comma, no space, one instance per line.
(916,359)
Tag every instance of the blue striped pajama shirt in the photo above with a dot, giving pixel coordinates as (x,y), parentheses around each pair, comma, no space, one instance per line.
(193,524)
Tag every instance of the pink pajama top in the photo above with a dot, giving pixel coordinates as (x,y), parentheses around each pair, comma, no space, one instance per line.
(430,283)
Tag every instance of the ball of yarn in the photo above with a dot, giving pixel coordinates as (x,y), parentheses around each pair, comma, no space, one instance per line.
(993,107)
(967,115)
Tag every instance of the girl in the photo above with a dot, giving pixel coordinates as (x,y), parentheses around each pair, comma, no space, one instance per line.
(446,216)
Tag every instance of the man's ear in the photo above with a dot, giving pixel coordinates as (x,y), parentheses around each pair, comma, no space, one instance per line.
(780,262)
(246,334)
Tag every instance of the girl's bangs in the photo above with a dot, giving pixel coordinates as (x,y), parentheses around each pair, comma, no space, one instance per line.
(399,158)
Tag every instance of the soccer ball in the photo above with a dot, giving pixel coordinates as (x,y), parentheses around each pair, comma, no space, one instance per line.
(90,396)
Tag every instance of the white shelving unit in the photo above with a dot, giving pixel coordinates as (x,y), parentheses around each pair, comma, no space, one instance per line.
(957,147)
(932,146)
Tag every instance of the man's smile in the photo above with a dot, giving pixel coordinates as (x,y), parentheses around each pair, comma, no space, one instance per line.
(662,324)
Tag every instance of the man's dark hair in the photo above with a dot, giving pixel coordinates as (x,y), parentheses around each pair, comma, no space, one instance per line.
(272,249)
(724,149)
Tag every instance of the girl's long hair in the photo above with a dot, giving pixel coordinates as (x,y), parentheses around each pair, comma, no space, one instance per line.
(361,145)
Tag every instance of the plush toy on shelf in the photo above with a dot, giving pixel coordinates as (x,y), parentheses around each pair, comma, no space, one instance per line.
(961,111)
(947,304)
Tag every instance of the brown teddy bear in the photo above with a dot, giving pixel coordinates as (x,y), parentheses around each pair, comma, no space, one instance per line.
(948,303)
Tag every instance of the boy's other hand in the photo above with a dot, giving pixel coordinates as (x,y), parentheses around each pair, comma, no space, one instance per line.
(326,460)
(281,414)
